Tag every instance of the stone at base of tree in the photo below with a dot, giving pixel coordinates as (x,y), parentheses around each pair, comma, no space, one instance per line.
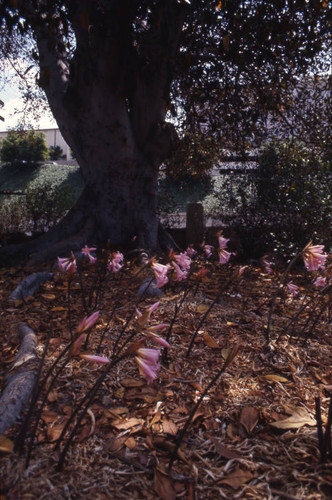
(148,288)
(29,285)
(20,379)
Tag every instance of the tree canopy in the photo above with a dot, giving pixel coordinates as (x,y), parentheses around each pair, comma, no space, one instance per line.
(115,72)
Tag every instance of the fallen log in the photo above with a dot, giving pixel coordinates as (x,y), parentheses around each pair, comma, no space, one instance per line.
(20,379)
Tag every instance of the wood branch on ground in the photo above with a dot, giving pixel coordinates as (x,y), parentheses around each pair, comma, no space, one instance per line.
(20,379)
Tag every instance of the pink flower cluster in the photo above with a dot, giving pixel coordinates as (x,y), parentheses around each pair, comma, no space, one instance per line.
(160,272)
(320,281)
(115,263)
(313,257)
(267,265)
(68,265)
(181,264)
(191,252)
(148,365)
(146,358)
(223,254)
(86,251)
(293,289)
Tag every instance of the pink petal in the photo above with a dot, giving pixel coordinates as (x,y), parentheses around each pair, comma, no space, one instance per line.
(77,345)
(94,358)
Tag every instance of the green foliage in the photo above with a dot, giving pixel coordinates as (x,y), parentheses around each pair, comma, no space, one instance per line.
(193,158)
(49,194)
(294,193)
(56,153)
(24,148)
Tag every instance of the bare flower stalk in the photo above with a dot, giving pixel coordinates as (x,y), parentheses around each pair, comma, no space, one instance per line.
(324,438)
(179,440)
(274,298)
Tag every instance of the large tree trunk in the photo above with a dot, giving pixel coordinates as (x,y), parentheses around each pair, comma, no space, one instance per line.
(110,101)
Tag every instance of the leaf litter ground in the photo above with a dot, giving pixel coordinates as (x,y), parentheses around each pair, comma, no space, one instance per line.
(254,435)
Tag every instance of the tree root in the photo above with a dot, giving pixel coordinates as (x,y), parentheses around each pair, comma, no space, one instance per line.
(29,285)
(71,234)
(50,245)
(20,379)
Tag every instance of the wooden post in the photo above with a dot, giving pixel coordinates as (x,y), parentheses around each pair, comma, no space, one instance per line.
(195,223)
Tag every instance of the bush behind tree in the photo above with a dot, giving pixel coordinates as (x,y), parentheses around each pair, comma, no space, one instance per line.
(294,193)
(56,153)
(24,148)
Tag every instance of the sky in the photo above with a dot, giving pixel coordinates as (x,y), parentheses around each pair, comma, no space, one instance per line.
(10,96)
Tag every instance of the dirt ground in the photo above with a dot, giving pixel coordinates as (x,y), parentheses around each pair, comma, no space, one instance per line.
(253,436)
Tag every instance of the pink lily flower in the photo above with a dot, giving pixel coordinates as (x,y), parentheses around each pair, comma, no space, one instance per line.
(159,340)
(241,271)
(191,251)
(224,256)
(93,358)
(160,272)
(68,265)
(147,361)
(149,354)
(313,257)
(76,347)
(267,265)
(221,240)
(208,250)
(180,273)
(142,319)
(293,289)
(321,281)
(86,251)
(88,322)
(183,260)
(116,262)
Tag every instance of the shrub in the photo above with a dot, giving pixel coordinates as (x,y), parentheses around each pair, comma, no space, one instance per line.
(45,204)
(294,194)
(56,153)
(24,148)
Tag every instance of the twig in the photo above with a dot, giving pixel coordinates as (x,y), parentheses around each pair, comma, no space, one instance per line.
(227,362)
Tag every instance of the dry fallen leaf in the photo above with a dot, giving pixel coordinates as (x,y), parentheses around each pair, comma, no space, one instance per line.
(249,418)
(49,416)
(276,378)
(202,308)
(52,396)
(209,341)
(124,424)
(54,432)
(130,443)
(237,478)
(48,296)
(169,427)
(132,382)
(6,445)
(163,485)
(299,418)
(224,451)
(225,353)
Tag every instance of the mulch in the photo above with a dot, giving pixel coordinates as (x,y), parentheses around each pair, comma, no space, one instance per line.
(253,436)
